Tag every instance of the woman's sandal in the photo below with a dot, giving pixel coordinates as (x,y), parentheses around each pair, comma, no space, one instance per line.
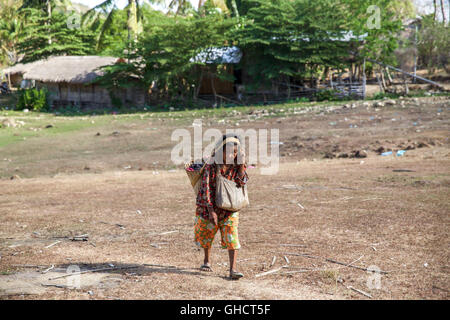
(206,267)
(236,275)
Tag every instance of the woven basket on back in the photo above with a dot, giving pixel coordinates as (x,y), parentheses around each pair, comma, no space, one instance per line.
(194,176)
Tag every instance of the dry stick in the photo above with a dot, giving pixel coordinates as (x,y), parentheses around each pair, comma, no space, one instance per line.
(334,261)
(54,285)
(360,291)
(269,272)
(351,263)
(158,265)
(296,271)
(168,232)
(83,237)
(95,270)
(293,245)
(29,266)
(300,205)
(273,261)
(287,260)
(51,245)
(48,269)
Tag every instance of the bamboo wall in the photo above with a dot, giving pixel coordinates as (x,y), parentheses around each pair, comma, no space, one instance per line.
(62,94)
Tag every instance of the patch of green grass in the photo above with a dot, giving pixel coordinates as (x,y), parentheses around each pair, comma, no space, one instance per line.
(6,272)
(330,275)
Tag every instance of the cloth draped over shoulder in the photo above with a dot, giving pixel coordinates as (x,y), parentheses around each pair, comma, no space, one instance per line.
(207,191)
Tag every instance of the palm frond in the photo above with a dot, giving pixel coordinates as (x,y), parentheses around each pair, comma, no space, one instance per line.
(105,26)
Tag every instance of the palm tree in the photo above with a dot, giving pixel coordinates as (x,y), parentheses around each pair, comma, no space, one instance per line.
(108,8)
(221,4)
(45,5)
(443,11)
(181,5)
(9,38)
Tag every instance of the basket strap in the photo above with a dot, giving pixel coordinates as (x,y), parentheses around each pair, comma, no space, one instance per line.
(195,180)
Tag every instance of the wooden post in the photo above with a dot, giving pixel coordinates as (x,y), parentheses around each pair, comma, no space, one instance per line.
(379,82)
(364,78)
(406,73)
(213,89)
(331,79)
(289,87)
(415,54)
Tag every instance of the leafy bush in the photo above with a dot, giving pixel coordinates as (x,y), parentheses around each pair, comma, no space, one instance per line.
(302,99)
(327,94)
(33,99)
(382,95)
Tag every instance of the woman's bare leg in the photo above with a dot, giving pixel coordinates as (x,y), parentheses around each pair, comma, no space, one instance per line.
(207,255)
(233,255)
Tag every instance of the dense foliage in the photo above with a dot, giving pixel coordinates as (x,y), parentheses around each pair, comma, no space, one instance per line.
(32,99)
(283,41)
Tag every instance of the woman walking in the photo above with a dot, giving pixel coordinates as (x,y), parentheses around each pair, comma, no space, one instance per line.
(228,159)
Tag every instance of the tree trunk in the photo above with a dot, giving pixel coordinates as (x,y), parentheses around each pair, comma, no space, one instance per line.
(197,90)
(275,87)
(289,87)
(364,78)
(389,76)
(235,10)
(132,24)
(443,11)
(435,10)
(379,82)
(49,12)
(213,89)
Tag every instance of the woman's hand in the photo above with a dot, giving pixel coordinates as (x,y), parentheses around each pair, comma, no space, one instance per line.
(213,217)
(241,156)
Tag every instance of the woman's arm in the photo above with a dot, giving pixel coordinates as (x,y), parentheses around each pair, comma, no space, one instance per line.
(205,196)
(242,176)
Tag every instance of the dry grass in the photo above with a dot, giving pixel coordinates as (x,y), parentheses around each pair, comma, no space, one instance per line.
(364,211)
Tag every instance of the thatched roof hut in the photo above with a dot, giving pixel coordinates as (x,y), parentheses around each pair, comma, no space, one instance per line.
(68,78)
(69,69)
(15,73)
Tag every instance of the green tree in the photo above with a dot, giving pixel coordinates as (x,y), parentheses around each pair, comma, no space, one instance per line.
(434,44)
(10,29)
(109,10)
(282,39)
(40,40)
(380,21)
(165,55)
(180,7)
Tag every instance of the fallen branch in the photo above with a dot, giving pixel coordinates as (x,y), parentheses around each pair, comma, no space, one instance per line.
(273,261)
(300,205)
(296,271)
(158,265)
(168,232)
(334,261)
(269,272)
(54,285)
(293,245)
(360,291)
(28,266)
(83,237)
(94,270)
(51,245)
(48,269)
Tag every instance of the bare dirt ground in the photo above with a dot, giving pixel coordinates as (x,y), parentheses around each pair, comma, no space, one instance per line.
(334,199)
